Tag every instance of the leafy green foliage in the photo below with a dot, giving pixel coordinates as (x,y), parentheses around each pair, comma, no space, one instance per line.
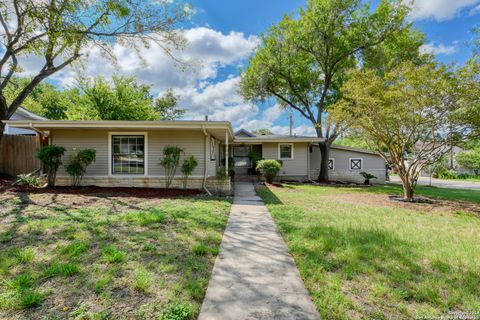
(30,180)
(167,106)
(469,159)
(121,99)
(50,156)
(367,176)
(303,62)
(262,131)
(58,31)
(177,311)
(411,111)
(269,169)
(170,162)
(189,164)
(79,161)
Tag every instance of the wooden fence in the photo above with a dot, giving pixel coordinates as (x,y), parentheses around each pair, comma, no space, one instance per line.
(17,154)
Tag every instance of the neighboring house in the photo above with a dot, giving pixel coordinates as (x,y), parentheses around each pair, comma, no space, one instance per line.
(129,152)
(22,114)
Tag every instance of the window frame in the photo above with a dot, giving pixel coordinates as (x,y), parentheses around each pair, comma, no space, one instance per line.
(145,153)
(292,151)
(350,163)
(249,164)
(333,164)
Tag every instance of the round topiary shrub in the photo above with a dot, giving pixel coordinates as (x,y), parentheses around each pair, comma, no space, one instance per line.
(269,169)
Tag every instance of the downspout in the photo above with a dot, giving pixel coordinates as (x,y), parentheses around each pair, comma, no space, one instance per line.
(41,134)
(204,184)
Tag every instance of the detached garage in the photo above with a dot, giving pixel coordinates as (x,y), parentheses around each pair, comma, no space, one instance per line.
(346,163)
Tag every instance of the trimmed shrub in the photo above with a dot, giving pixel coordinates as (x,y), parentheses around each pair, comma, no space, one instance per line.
(51,156)
(79,161)
(170,162)
(269,169)
(189,164)
(367,176)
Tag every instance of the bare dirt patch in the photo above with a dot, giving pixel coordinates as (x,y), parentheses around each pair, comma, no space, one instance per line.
(384,200)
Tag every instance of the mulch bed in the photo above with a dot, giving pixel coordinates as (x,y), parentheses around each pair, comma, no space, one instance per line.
(6,186)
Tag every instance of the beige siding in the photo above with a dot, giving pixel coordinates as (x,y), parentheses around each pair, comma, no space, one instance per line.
(191,141)
(83,139)
(291,167)
(372,163)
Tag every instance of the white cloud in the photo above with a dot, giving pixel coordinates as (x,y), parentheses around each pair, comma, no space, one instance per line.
(475,10)
(202,93)
(438,49)
(439,9)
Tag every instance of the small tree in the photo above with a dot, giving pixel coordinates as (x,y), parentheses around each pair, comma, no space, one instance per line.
(79,161)
(411,112)
(167,106)
(189,164)
(170,162)
(269,169)
(469,159)
(50,156)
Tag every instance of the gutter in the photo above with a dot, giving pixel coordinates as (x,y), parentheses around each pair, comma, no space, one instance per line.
(204,184)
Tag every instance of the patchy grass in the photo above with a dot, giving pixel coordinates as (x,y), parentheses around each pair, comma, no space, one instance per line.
(363,256)
(90,256)
(426,191)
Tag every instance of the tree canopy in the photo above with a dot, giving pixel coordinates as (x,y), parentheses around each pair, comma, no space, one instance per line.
(303,62)
(167,106)
(411,111)
(62,31)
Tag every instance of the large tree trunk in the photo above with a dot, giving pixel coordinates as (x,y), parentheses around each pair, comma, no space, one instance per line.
(324,156)
(2,128)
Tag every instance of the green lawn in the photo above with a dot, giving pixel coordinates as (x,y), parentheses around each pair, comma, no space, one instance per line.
(99,257)
(363,256)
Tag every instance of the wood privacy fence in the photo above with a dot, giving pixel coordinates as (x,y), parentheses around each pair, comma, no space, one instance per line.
(17,154)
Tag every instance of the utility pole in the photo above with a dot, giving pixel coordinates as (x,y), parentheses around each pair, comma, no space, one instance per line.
(291,123)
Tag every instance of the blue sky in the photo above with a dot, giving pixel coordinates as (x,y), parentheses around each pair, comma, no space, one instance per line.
(222,34)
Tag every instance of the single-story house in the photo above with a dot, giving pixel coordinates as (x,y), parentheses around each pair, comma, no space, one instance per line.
(22,114)
(300,156)
(129,152)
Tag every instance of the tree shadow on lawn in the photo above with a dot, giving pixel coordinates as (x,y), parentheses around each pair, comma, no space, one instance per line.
(374,256)
(368,258)
(165,246)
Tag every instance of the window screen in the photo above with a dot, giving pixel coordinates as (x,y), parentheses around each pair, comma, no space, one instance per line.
(285,151)
(240,156)
(128,154)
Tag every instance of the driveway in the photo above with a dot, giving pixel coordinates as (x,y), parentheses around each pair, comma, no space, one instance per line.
(452,184)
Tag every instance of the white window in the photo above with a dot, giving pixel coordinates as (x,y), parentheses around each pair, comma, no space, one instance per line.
(331,164)
(128,153)
(356,164)
(285,151)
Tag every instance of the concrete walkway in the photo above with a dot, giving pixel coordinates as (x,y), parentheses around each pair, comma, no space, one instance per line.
(254,276)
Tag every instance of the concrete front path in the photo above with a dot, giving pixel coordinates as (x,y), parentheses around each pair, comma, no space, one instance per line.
(254,276)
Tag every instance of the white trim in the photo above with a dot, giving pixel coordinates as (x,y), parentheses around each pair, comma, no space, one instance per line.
(333,162)
(292,153)
(145,155)
(350,164)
